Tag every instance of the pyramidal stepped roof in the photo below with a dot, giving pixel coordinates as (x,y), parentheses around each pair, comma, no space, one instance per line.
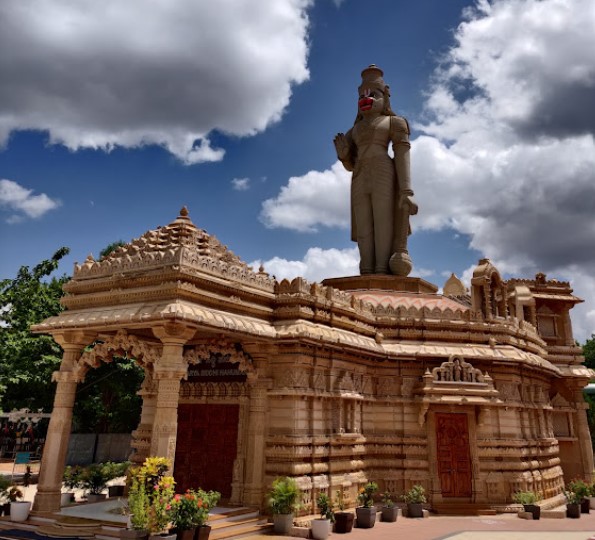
(180,243)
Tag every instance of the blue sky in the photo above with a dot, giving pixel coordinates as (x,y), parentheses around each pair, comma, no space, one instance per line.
(111,121)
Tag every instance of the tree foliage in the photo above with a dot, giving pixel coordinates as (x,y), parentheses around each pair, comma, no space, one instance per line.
(589,352)
(28,360)
(111,247)
(106,401)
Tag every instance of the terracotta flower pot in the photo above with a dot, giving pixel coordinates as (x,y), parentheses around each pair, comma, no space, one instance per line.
(344,522)
(202,532)
(186,534)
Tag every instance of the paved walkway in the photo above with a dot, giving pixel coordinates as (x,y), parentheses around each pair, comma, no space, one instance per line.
(500,527)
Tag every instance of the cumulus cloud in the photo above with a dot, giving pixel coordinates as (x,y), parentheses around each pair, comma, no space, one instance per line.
(316,265)
(316,198)
(241,184)
(112,73)
(507,154)
(22,203)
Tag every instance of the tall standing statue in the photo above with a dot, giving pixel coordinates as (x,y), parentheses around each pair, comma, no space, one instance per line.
(381,195)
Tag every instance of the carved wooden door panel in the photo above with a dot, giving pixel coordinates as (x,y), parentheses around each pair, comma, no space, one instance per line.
(454,461)
(206,447)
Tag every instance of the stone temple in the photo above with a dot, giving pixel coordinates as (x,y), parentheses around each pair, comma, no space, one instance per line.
(473,394)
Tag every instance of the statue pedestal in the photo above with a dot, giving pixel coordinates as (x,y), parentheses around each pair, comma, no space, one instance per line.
(381,282)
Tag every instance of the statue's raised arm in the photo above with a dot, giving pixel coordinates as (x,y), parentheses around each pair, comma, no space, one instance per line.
(381,194)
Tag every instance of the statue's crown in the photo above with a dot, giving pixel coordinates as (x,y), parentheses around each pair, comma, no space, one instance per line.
(372,78)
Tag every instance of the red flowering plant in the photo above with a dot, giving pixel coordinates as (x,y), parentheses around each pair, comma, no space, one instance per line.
(193,507)
(161,511)
(209,500)
(186,510)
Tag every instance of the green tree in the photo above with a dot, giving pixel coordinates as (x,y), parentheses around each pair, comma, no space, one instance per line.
(27,360)
(589,352)
(111,247)
(106,402)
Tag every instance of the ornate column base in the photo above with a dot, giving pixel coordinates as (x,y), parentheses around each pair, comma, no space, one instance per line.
(47,502)
(253,495)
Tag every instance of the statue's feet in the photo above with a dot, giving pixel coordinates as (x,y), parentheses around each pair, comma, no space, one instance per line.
(400,264)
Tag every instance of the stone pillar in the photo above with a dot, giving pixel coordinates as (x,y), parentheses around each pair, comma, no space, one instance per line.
(141,436)
(584,436)
(53,460)
(253,486)
(168,371)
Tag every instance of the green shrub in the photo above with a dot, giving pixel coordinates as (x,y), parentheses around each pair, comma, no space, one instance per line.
(416,495)
(284,496)
(526,497)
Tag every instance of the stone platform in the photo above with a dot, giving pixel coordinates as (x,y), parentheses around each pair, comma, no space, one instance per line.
(381,282)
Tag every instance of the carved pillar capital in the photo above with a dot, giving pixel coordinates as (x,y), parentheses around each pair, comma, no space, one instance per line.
(74,339)
(173,333)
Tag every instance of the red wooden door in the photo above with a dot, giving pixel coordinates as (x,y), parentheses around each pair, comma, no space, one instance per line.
(206,447)
(454,461)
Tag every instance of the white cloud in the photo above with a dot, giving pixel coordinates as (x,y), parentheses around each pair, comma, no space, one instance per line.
(508,154)
(316,198)
(101,74)
(21,200)
(241,184)
(317,264)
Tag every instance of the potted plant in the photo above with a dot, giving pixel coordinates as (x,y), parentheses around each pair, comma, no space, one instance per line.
(389,511)
(206,501)
(185,515)
(528,500)
(573,503)
(71,480)
(4,485)
(284,500)
(116,470)
(592,496)
(321,527)
(415,498)
(161,511)
(366,513)
(19,509)
(94,480)
(150,498)
(583,491)
(138,505)
(343,520)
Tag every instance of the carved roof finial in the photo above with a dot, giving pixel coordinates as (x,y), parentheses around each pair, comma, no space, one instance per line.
(184,211)
(454,287)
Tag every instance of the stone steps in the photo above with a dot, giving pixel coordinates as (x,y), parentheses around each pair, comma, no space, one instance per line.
(462,509)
